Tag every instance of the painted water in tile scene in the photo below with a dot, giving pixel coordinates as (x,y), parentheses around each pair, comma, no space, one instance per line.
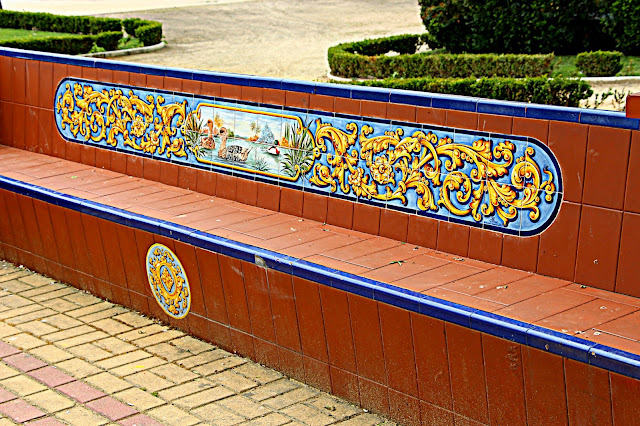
(505,183)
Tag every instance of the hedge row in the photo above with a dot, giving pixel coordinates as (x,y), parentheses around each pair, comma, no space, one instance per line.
(149,32)
(81,31)
(599,63)
(540,90)
(367,59)
(58,23)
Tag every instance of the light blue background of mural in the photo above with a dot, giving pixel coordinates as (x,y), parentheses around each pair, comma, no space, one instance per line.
(240,121)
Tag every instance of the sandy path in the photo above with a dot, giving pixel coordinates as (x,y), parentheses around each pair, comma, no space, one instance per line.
(273,38)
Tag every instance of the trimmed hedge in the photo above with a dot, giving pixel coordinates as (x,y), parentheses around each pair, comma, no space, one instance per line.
(599,63)
(367,59)
(149,32)
(71,44)
(540,90)
(108,40)
(58,23)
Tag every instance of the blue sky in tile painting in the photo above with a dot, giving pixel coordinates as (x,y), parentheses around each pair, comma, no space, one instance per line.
(270,155)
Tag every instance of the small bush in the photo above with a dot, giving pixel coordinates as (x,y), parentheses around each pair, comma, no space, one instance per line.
(366,59)
(130,25)
(540,90)
(71,44)
(150,33)
(599,63)
(109,40)
(58,23)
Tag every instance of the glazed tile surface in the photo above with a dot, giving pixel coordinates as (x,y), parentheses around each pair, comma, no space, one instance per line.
(506,183)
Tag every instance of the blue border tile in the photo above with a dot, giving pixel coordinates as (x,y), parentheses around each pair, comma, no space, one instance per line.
(492,106)
(609,118)
(547,112)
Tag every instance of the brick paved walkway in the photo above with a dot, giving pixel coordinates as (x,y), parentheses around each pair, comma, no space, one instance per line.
(71,358)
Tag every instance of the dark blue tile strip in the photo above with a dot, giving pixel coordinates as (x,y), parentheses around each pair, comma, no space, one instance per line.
(534,336)
(454,102)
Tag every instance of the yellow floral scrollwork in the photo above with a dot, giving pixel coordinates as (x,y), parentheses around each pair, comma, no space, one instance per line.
(145,125)
(422,162)
(168,281)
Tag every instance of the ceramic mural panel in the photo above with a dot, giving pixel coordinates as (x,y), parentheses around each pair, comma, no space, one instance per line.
(506,183)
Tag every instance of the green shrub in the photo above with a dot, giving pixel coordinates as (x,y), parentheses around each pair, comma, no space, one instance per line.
(71,44)
(623,25)
(540,90)
(367,59)
(58,23)
(150,33)
(130,25)
(506,26)
(109,40)
(599,63)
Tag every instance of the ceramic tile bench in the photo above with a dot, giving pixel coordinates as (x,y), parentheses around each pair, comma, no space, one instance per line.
(436,259)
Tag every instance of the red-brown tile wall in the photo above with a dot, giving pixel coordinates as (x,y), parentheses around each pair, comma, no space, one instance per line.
(544,385)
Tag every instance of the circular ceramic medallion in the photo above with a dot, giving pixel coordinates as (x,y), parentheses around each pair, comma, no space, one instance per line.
(168,281)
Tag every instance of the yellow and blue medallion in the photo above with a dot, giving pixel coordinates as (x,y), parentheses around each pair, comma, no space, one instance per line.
(168,281)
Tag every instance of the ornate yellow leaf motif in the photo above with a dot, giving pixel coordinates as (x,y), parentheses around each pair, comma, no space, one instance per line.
(168,281)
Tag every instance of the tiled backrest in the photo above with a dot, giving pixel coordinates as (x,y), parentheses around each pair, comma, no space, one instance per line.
(587,218)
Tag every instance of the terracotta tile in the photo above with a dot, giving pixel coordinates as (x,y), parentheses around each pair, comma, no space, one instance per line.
(140,303)
(187,178)
(103,159)
(247,192)
(520,252)
(398,349)
(155,82)
(347,106)
(505,381)
(495,123)
(453,238)
(485,245)
(434,415)
(259,304)
(110,242)
(191,86)
(344,385)
(315,207)
(624,391)
(627,277)
(598,245)
(291,363)
(220,335)
(373,109)
(19,126)
(273,96)
(366,218)
(135,167)
(394,225)
(367,338)
(465,421)
(467,372)
(558,244)
(118,162)
(340,213)
(242,343)
(316,373)
(400,112)
(386,256)
(291,201)
(606,167)
(266,353)
(88,155)
(437,276)
(605,295)
(6,74)
(144,240)
(544,305)
(59,222)
(19,80)
(631,201)
(121,77)
(89,73)
(297,99)
(234,293)
(226,187)
(331,242)
(206,182)
(321,102)
(486,280)
(32,80)
(169,174)
(136,277)
(310,324)
(568,141)
(105,75)
(268,196)
(210,89)
(284,310)
(400,269)
(544,387)
(422,231)
(462,119)
(626,327)
(403,408)
(337,324)
(538,129)
(6,121)
(431,360)
(77,238)
(588,394)
(59,73)
(586,316)
(230,91)
(374,396)
(80,391)
(173,84)
(30,222)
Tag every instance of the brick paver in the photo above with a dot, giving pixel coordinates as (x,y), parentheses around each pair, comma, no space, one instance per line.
(68,357)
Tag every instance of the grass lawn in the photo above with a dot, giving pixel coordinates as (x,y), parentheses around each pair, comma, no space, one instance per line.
(565,66)
(12,34)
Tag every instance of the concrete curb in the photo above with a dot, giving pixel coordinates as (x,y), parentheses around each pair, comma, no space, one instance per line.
(126,52)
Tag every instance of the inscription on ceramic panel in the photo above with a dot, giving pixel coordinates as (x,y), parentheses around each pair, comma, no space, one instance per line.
(505,183)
